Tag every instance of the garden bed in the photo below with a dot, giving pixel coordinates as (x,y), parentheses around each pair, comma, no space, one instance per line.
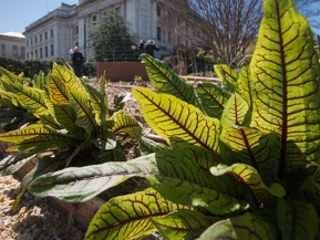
(79,215)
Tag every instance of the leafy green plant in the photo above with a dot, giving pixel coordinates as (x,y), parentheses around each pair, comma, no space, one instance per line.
(243,157)
(14,114)
(70,123)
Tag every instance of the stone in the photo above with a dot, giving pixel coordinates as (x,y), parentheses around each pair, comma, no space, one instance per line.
(25,224)
(36,233)
(25,236)
(16,226)
(23,210)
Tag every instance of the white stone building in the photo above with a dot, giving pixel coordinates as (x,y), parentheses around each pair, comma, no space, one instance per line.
(53,35)
(12,45)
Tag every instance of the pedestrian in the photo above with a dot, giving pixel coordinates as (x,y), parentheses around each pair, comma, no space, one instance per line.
(77,61)
(150,46)
(141,48)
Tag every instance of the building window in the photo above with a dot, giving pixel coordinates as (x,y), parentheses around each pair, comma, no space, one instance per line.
(51,50)
(94,20)
(27,43)
(22,52)
(36,53)
(159,33)
(31,41)
(41,53)
(35,40)
(170,37)
(46,51)
(27,55)
(51,33)
(15,53)
(158,11)
(45,36)
(76,30)
(3,50)
(40,38)
(31,54)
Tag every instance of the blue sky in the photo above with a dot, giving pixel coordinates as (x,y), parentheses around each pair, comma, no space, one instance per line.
(15,15)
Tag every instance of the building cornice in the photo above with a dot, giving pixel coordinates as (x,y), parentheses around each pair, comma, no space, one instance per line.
(12,38)
(64,12)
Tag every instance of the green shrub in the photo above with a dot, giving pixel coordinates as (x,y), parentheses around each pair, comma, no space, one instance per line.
(31,68)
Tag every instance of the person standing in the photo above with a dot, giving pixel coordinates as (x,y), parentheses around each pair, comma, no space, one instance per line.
(150,47)
(77,61)
(141,48)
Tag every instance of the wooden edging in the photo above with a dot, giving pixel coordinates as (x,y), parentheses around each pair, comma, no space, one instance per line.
(197,79)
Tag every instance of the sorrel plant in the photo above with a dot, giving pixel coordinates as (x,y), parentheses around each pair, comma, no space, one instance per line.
(243,157)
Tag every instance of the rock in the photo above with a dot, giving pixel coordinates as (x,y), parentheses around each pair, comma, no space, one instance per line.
(36,233)
(25,236)
(25,224)
(23,210)
(57,215)
(16,226)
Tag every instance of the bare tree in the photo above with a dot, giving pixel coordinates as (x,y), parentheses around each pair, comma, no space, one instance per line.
(227,27)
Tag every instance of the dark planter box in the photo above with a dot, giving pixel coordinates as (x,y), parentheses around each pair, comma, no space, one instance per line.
(121,71)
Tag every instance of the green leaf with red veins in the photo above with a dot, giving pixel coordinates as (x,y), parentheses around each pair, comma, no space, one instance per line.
(171,117)
(66,117)
(61,82)
(311,190)
(164,80)
(126,124)
(297,220)
(9,77)
(30,98)
(227,75)
(183,224)
(86,182)
(236,111)
(213,98)
(185,179)
(38,138)
(198,195)
(251,178)
(148,146)
(84,111)
(12,116)
(246,226)
(7,99)
(99,103)
(129,217)
(251,147)
(244,85)
(285,72)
